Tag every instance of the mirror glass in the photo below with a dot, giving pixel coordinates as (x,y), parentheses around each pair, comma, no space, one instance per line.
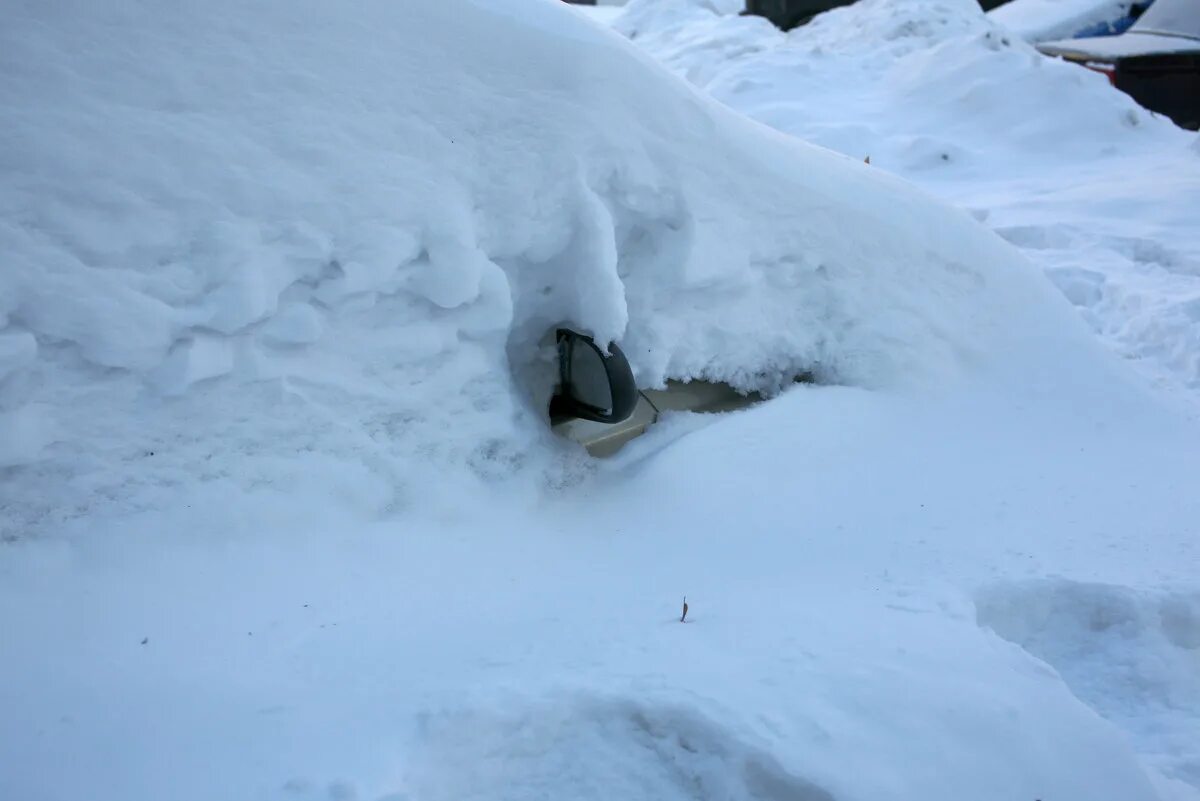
(589,379)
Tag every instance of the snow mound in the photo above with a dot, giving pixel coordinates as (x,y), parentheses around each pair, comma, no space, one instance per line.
(694,37)
(918,85)
(1133,656)
(289,246)
(600,749)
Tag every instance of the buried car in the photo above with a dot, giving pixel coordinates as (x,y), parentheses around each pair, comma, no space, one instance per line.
(1156,62)
(788,14)
(295,519)
(597,402)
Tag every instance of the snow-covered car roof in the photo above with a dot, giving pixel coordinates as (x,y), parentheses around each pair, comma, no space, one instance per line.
(1126,45)
(1044,20)
(1168,26)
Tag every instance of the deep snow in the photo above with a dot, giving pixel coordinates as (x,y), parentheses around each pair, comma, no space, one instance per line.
(271,217)
(1098,192)
(283,519)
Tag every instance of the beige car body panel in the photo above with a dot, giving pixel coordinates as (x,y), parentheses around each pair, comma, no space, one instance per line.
(603,439)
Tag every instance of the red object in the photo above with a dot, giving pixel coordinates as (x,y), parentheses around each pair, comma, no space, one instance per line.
(1106,69)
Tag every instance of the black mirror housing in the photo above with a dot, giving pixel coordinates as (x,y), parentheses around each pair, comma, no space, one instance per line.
(575,372)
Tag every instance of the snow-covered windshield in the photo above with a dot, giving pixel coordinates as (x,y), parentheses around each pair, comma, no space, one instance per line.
(1172,17)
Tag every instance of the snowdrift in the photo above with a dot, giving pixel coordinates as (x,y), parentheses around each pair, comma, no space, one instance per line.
(919,85)
(351,226)
(1097,191)
(268,269)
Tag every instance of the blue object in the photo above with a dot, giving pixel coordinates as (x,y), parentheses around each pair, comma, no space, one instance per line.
(1115,26)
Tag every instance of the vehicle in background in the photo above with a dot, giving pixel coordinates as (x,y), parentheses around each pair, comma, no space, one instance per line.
(1047,20)
(597,404)
(788,14)
(1117,24)
(1156,61)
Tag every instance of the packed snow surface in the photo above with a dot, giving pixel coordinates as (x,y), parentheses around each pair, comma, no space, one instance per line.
(282,516)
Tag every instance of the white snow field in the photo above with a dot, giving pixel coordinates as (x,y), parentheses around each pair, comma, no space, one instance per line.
(283,518)
(1099,193)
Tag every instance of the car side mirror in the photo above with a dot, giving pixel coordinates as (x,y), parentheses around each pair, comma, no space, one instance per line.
(593,385)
